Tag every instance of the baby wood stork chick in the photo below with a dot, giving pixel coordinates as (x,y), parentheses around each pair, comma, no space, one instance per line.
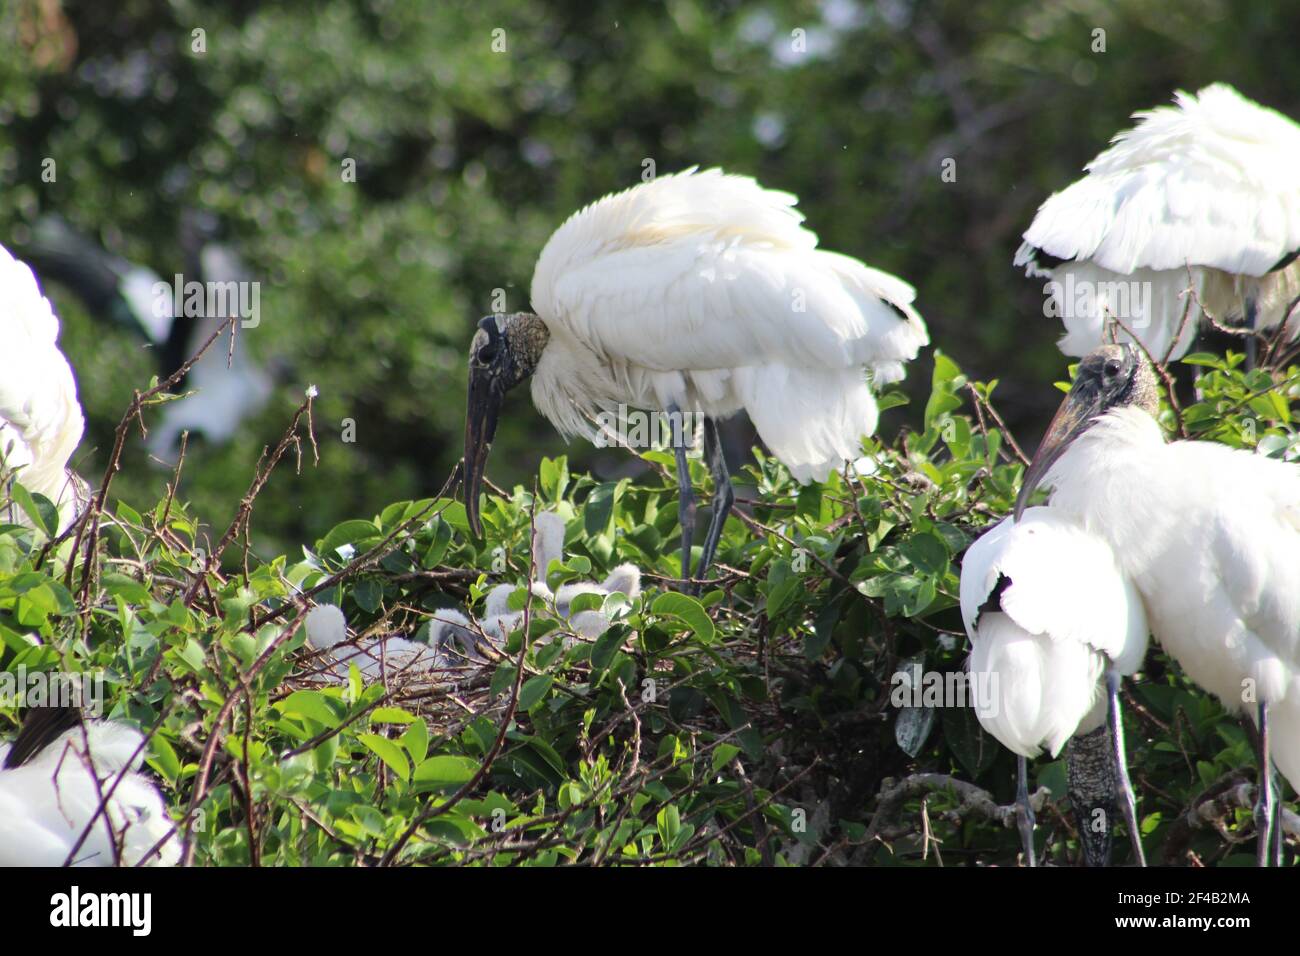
(499,620)
(1052,620)
(1208,534)
(40,417)
(548,546)
(55,777)
(390,655)
(1209,186)
(699,293)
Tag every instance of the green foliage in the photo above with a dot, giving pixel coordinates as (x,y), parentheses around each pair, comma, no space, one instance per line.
(753,724)
(468,158)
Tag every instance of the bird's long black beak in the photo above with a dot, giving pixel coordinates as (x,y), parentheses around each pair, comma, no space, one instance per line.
(481,410)
(1071,420)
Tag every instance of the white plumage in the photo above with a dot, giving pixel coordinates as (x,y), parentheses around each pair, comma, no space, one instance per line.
(1210,536)
(1212,183)
(46,803)
(390,655)
(1064,614)
(704,291)
(548,546)
(40,417)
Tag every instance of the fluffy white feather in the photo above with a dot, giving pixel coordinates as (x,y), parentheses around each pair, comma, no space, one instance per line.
(47,802)
(40,416)
(703,290)
(389,656)
(1210,183)
(1065,614)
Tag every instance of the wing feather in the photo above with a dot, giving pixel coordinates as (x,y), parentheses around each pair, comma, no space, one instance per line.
(1062,582)
(1211,181)
(703,270)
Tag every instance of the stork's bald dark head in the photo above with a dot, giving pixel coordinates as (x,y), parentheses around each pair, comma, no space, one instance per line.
(505,351)
(1113,376)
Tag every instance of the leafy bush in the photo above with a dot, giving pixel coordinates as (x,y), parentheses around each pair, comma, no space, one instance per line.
(751,725)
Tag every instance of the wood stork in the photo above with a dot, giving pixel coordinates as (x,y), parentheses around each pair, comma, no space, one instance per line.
(548,546)
(1211,183)
(53,780)
(499,620)
(40,417)
(697,293)
(1052,621)
(1209,536)
(391,655)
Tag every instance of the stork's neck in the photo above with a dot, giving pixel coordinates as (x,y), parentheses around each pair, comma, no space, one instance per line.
(1113,479)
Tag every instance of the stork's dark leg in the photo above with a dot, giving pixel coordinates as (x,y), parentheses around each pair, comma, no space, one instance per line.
(1025,812)
(1251,344)
(1090,769)
(1264,804)
(685,493)
(1128,805)
(723,495)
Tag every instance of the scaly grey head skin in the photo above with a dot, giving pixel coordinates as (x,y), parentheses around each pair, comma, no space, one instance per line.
(504,352)
(1113,376)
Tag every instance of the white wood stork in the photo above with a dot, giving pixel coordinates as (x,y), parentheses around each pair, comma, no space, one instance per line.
(1212,184)
(390,655)
(499,620)
(40,417)
(1052,620)
(548,546)
(697,293)
(53,779)
(1208,534)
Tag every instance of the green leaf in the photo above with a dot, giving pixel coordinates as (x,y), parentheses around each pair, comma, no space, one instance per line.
(927,552)
(686,609)
(444,773)
(534,689)
(416,740)
(669,824)
(314,705)
(598,511)
(389,752)
(723,754)
(369,594)
(392,715)
(162,757)
(352,532)
(553,476)
(39,509)
(438,548)
(127,588)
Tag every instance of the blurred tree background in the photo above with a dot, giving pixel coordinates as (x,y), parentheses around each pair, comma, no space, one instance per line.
(468,152)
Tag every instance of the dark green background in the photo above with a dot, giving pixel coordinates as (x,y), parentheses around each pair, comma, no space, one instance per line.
(467,159)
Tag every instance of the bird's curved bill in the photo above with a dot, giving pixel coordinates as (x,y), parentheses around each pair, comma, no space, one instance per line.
(1071,420)
(481,411)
